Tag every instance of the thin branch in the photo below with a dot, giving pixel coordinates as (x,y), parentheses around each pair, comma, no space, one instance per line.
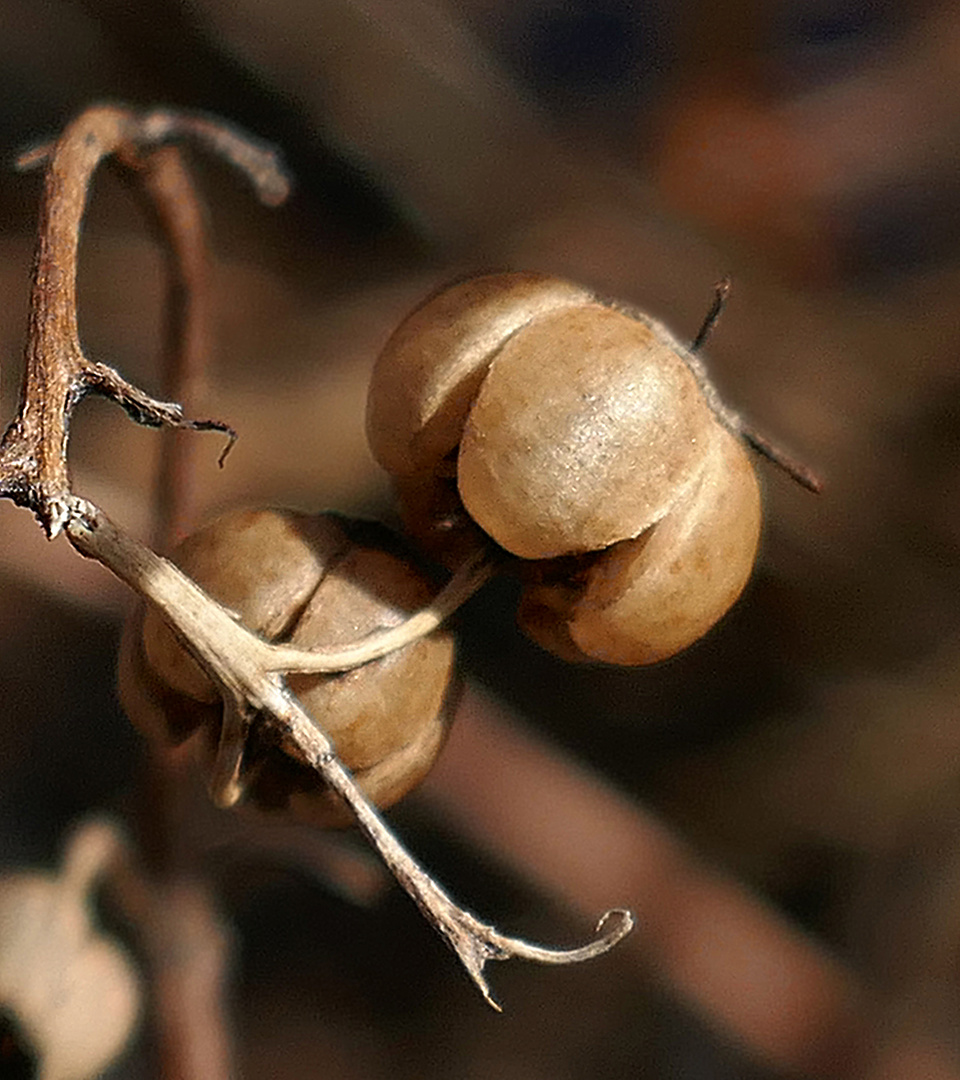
(33,451)
(190,953)
(232,656)
(720,293)
(773,452)
(738,962)
(187,952)
(258,161)
(172,201)
(470,577)
(728,417)
(732,420)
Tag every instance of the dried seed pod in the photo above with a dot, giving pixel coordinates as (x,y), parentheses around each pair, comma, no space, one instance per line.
(587,429)
(69,994)
(578,437)
(645,599)
(264,565)
(316,582)
(433,364)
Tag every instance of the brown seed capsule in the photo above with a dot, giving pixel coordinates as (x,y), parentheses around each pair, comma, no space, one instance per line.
(645,599)
(316,582)
(433,364)
(578,437)
(586,430)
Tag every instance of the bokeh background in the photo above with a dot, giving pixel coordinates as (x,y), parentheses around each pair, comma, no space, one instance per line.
(807,751)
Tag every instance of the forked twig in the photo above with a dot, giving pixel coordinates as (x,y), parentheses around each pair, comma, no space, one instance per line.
(248,671)
(33,452)
(232,655)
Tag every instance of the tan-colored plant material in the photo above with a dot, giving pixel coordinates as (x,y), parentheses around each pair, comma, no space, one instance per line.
(249,673)
(313,581)
(72,991)
(581,438)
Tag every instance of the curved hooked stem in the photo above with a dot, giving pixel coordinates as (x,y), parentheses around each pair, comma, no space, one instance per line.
(33,451)
(233,657)
(467,580)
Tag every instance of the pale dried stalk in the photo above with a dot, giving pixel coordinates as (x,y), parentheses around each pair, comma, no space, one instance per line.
(231,655)
(474,573)
(248,671)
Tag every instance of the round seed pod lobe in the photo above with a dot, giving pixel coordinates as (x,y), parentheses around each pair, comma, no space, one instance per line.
(316,581)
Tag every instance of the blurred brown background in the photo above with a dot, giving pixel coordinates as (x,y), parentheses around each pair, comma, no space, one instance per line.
(809,746)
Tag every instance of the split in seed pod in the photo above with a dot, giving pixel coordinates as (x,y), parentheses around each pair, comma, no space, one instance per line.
(520,409)
(315,582)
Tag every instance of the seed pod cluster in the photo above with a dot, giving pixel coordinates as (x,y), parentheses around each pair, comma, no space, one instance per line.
(313,581)
(521,409)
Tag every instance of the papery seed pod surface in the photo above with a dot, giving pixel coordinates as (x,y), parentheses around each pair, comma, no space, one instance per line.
(368,710)
(588,427)
(645,599)
(431,368)
(263,565)
(260,563)
(345,581)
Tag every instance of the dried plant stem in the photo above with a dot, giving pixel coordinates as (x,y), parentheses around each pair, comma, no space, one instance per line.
(33,452)
(189,956)
(720,293)
(772,451)
(248,671)
(188,950)
(473,574)
(231,655)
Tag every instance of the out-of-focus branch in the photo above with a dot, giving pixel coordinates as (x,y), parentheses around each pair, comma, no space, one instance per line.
(732,957)
(187,946)
(188,333)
